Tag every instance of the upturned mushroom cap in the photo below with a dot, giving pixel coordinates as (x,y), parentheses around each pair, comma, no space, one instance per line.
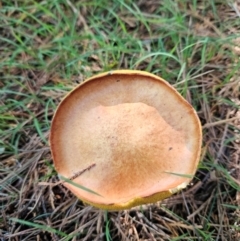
(132,137)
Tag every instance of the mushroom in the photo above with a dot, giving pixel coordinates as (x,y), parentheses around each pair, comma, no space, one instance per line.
(128,137)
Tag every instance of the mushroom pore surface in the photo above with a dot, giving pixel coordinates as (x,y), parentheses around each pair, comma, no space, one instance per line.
(135,151)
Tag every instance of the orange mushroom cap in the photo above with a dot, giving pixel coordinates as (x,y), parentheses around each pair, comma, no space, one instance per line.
(133,138)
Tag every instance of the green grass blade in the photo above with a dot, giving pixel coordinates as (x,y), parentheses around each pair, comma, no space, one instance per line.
(39,226)
(79,186)
(181,175)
